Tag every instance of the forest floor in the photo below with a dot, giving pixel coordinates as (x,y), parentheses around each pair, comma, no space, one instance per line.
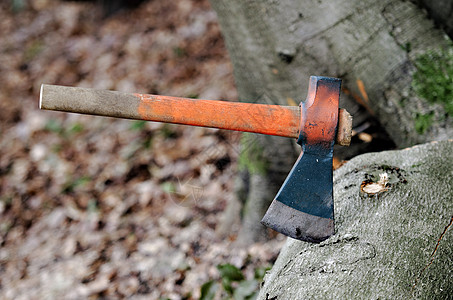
(94,207)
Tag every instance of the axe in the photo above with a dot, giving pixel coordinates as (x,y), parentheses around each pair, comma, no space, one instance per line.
(303,208)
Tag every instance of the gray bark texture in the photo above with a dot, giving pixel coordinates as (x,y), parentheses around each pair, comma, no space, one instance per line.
(397,244)
(275,45)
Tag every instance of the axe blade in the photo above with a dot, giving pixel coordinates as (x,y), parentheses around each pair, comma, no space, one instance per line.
(303,208)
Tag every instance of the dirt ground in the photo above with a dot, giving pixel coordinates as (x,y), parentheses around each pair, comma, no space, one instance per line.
(93,207)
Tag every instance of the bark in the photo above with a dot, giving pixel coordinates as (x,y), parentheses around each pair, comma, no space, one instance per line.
(397,244)
(372,45)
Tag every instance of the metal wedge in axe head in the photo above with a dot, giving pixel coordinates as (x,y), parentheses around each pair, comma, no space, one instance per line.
(303,208)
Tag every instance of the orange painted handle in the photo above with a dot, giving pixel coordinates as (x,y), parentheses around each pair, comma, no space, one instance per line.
(250,117)
(258,118)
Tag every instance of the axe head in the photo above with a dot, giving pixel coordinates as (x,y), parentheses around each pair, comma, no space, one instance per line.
(303,208)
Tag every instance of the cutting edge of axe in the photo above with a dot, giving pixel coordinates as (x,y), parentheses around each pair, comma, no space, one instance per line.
(303,208)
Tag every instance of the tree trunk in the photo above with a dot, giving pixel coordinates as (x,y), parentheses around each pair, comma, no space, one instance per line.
(372,45)
(396,244)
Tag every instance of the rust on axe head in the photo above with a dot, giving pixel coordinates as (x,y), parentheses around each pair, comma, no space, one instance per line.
(303,207)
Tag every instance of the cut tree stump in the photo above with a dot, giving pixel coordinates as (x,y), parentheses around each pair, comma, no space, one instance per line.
(394,244)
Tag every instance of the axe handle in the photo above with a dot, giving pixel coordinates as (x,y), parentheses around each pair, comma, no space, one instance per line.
(259,118)
(250,117)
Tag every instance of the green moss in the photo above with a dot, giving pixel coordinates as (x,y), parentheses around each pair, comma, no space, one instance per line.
(251,157)
(433,79)
(423,122)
